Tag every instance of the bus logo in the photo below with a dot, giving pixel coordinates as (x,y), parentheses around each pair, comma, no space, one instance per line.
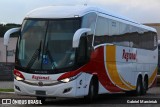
(129,55)
(40,83)
(40,77)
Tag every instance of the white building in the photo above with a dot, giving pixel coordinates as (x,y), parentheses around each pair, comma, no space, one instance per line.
(10,50)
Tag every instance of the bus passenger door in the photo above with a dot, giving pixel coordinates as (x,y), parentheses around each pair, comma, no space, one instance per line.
(82,59)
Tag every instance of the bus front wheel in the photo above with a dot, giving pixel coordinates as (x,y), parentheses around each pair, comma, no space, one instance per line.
(93,90)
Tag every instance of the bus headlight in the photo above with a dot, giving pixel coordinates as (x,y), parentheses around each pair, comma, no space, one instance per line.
(19,78)
(66,80)
(18,75)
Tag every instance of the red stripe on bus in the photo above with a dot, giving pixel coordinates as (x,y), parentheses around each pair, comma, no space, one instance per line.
(96,67)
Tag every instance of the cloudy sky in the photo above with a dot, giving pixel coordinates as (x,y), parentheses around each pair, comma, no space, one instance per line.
(143,11)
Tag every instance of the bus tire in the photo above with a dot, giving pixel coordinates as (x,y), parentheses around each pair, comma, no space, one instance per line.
(93,91)
(145,85)
(43,99)
(139,87)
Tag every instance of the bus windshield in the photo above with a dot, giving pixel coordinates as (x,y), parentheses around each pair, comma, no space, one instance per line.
(47,44)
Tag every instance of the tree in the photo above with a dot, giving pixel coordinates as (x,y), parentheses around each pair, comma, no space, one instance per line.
(4,28)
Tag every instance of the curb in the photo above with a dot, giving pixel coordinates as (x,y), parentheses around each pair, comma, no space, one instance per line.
(7,92)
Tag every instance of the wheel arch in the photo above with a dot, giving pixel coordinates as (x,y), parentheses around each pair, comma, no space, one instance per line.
(88,82)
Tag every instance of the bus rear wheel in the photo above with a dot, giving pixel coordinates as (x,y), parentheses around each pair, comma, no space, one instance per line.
(139,87)
(145,86)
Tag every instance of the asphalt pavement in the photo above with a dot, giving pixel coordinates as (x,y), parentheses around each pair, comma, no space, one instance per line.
(105,100)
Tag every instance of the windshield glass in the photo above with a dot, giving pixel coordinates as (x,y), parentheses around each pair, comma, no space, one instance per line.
(47,44)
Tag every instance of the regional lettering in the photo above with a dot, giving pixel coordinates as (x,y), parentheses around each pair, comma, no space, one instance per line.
(40,77)
(128,55)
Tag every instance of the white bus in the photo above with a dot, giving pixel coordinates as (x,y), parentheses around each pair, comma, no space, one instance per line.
(82,51)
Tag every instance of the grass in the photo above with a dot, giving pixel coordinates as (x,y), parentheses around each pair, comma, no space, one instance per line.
(6,90)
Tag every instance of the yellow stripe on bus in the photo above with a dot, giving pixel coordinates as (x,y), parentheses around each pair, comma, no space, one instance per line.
(132,86)
(152,78)
(112,68)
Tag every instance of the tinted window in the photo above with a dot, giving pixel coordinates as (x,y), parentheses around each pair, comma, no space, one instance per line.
(109,31)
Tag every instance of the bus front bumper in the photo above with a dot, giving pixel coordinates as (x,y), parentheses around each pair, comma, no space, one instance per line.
(58,90)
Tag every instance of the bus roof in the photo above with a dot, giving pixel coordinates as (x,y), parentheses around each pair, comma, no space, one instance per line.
(55,12)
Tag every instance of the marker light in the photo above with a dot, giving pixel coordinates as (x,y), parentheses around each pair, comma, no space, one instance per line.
(76,16)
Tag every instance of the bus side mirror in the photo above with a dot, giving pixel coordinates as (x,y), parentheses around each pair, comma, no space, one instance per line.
(8,33)
(77,36)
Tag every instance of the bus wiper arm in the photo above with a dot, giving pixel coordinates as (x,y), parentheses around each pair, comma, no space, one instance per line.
(50,57)
(35,56)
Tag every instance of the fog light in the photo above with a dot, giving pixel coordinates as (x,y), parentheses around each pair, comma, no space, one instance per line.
(67,90)
(17,88)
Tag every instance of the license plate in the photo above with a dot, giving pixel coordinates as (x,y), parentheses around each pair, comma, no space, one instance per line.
(40,92)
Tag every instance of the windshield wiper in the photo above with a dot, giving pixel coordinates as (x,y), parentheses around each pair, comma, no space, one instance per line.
(50,57)
(35,56)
